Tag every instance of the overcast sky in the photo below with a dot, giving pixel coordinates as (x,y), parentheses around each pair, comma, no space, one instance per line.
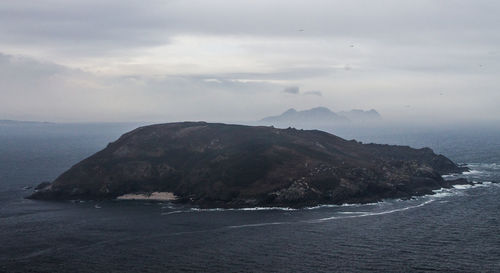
(232,60)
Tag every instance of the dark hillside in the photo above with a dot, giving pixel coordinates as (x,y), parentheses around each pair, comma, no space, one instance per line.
(220,165)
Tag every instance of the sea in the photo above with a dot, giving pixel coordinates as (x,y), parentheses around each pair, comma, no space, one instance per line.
(453,230)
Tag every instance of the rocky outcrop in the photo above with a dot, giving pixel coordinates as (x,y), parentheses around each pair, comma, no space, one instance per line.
(220,165)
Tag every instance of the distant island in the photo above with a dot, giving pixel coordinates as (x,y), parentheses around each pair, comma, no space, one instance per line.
(320,117)
(20,122)
(231,166)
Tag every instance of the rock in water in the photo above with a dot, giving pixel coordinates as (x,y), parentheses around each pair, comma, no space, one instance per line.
(220,165)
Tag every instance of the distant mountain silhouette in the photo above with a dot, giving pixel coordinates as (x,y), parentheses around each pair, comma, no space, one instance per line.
(361,115)
(320,116)
(315,115)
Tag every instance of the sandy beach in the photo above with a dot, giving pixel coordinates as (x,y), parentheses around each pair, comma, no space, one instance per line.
(157,196)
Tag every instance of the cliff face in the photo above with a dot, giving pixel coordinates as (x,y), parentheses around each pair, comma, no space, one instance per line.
(219,165)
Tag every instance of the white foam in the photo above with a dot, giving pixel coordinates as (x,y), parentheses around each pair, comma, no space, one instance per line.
(267,208)
(462,187)
(472,172)
(344,205)
(442,193)
(175,212)
(285,208)
(244,209)
(352,212)
(459,189)
(329,206)
(259,225)
(282,208)
(486,184)
(371,213)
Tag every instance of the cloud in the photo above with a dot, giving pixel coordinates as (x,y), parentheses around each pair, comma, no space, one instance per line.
(103,28)
(121,60)
(314,93)
(34,90)
(291,90)
(295,90)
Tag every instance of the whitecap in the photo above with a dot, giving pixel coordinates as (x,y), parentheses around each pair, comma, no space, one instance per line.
(462,187)
(485,184)
(442,193)
(472,172)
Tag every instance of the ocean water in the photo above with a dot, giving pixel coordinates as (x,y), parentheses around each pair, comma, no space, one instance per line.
(454,230)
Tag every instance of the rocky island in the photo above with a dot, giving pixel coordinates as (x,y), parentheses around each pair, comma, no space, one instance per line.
(221,165)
